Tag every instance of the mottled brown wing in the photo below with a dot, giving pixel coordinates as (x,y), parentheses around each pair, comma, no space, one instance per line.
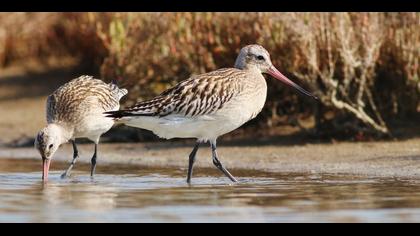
(80,95)
(51,109)
(199,95)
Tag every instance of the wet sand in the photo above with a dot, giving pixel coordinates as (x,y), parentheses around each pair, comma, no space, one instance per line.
(400,159)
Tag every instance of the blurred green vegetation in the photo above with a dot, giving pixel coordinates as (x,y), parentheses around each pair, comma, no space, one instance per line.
(363,66)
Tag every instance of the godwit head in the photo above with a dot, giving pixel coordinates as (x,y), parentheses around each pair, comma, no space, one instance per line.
(47,142)
(255,57)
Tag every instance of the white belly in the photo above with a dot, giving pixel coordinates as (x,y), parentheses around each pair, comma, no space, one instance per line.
(93,125)
(203,128)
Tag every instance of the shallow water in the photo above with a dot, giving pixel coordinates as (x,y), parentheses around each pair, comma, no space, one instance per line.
(135,194)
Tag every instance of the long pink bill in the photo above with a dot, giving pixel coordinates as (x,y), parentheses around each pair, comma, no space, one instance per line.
(45,168)
(276,74)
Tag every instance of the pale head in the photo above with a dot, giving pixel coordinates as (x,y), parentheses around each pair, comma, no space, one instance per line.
(253,56)
(256,57)
(47,141)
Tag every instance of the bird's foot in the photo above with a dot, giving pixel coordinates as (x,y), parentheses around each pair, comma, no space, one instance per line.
(233,179)
(65,175)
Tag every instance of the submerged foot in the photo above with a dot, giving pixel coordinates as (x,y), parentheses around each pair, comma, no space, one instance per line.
(65,175)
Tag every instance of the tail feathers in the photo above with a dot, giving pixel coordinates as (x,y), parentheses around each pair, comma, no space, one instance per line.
(122,92)
(116,114)
(124,113)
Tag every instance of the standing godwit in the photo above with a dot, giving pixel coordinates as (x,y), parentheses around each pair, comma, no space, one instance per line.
(208,105)
(75,110)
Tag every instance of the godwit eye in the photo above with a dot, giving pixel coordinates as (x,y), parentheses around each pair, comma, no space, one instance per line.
(51,145)
(261,58)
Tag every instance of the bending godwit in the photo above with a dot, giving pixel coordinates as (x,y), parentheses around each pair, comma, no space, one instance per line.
(75,110)
(208,105)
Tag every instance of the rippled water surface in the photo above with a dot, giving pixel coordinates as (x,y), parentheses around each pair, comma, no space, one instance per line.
(135,194)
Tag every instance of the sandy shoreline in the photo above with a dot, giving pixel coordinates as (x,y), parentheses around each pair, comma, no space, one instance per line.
(399,159)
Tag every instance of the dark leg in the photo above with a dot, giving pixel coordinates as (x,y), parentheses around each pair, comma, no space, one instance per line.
(218,164)
(75,156)
(191,161)
(93,161)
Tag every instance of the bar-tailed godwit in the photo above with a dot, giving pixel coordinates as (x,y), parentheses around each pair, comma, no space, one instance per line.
(75,110)
(208,105)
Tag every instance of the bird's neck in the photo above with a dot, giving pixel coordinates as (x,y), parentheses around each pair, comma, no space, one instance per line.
(253,70)
(64,134)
